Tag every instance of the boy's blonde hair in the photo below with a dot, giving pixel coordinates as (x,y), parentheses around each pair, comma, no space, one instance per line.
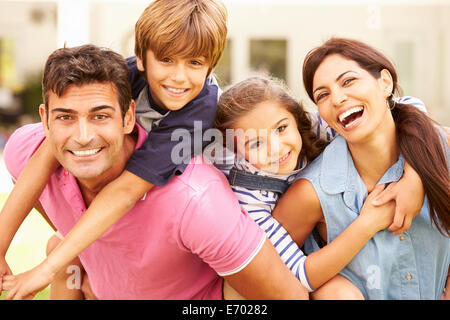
(187,28)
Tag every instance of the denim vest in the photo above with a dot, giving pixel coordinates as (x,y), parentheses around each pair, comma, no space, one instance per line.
(412,265)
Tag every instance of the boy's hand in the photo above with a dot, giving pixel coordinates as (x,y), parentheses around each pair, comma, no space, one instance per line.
(408,194)
(377,217)
(24,286)
(4,271)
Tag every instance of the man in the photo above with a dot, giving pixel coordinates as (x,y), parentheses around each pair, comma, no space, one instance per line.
(178,238)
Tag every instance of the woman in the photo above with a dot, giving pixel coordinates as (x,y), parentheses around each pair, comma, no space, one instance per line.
(353,86)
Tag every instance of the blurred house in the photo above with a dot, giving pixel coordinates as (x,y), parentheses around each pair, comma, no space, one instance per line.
(263,35)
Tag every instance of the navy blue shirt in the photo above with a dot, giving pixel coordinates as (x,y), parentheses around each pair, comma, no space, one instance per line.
(154,161)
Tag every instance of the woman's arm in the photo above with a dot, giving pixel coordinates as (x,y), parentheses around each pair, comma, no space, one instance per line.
(299,210)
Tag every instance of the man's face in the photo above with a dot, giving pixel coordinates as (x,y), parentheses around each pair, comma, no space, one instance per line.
(174,81)
(86,130)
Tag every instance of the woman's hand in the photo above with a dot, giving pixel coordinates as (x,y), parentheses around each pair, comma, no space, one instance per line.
(408,194)
(24,286)
(377,217)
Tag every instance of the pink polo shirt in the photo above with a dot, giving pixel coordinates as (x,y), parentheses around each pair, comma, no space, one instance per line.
(171,245)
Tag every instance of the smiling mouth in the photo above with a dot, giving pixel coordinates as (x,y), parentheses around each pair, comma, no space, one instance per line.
(348,117)
(85,153)
(282,159)
(176,91)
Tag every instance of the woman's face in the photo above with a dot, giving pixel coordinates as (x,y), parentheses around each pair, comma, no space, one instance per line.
(268,138)
(350,99)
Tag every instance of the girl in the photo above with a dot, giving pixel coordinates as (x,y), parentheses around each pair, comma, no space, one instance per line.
(274,142)
(353,86)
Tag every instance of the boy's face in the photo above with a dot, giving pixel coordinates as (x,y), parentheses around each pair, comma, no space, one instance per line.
(174,81)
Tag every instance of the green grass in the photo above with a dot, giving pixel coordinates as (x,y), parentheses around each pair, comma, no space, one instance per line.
(28,246)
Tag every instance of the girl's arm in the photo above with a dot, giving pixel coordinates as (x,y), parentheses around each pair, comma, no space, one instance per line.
(325,263)
(110,204)
(23,197)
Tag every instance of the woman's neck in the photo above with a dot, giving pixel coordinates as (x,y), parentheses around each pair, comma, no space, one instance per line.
(376,154)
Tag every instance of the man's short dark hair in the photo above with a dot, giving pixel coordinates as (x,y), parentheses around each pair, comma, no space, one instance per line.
(86,64)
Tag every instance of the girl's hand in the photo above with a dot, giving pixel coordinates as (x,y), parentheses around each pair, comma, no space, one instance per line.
(377,217)
(409,195)
(24,286)
(4,270)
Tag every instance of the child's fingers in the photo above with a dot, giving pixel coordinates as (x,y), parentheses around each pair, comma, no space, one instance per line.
(11,294)
(8,282)
(385,195)
(406,225)
(398,221)
(376,191)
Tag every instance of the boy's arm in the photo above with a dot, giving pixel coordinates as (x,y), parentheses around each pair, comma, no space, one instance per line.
(113,201)
(408,194)
(23,197)
(25,193)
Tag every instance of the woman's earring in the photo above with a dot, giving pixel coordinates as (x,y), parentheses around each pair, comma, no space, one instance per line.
(391,102)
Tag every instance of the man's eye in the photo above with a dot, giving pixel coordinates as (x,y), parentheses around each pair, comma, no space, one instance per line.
(63,117)
(100,117)
(166,60)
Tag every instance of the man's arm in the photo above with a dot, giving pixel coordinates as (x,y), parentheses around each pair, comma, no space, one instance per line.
(266,277)
(214,228)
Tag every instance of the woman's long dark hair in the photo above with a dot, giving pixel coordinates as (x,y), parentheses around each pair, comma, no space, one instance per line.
(417,135)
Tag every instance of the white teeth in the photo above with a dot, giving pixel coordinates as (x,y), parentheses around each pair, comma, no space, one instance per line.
(344,115)
(284,157)
(82,153)
(174,90)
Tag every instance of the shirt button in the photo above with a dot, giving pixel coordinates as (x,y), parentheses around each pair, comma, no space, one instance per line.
(409,276)
(402,238)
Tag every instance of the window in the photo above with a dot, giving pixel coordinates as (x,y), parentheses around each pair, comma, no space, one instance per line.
(223,68)
(269,56)
(404,58)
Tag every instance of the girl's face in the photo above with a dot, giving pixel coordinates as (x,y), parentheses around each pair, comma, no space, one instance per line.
(268,138)
(350,99)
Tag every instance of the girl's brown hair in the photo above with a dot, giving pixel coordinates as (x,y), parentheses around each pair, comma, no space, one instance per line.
(242,97)
(417,136)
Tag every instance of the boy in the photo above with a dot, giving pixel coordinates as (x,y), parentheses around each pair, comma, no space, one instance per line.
(178,43)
